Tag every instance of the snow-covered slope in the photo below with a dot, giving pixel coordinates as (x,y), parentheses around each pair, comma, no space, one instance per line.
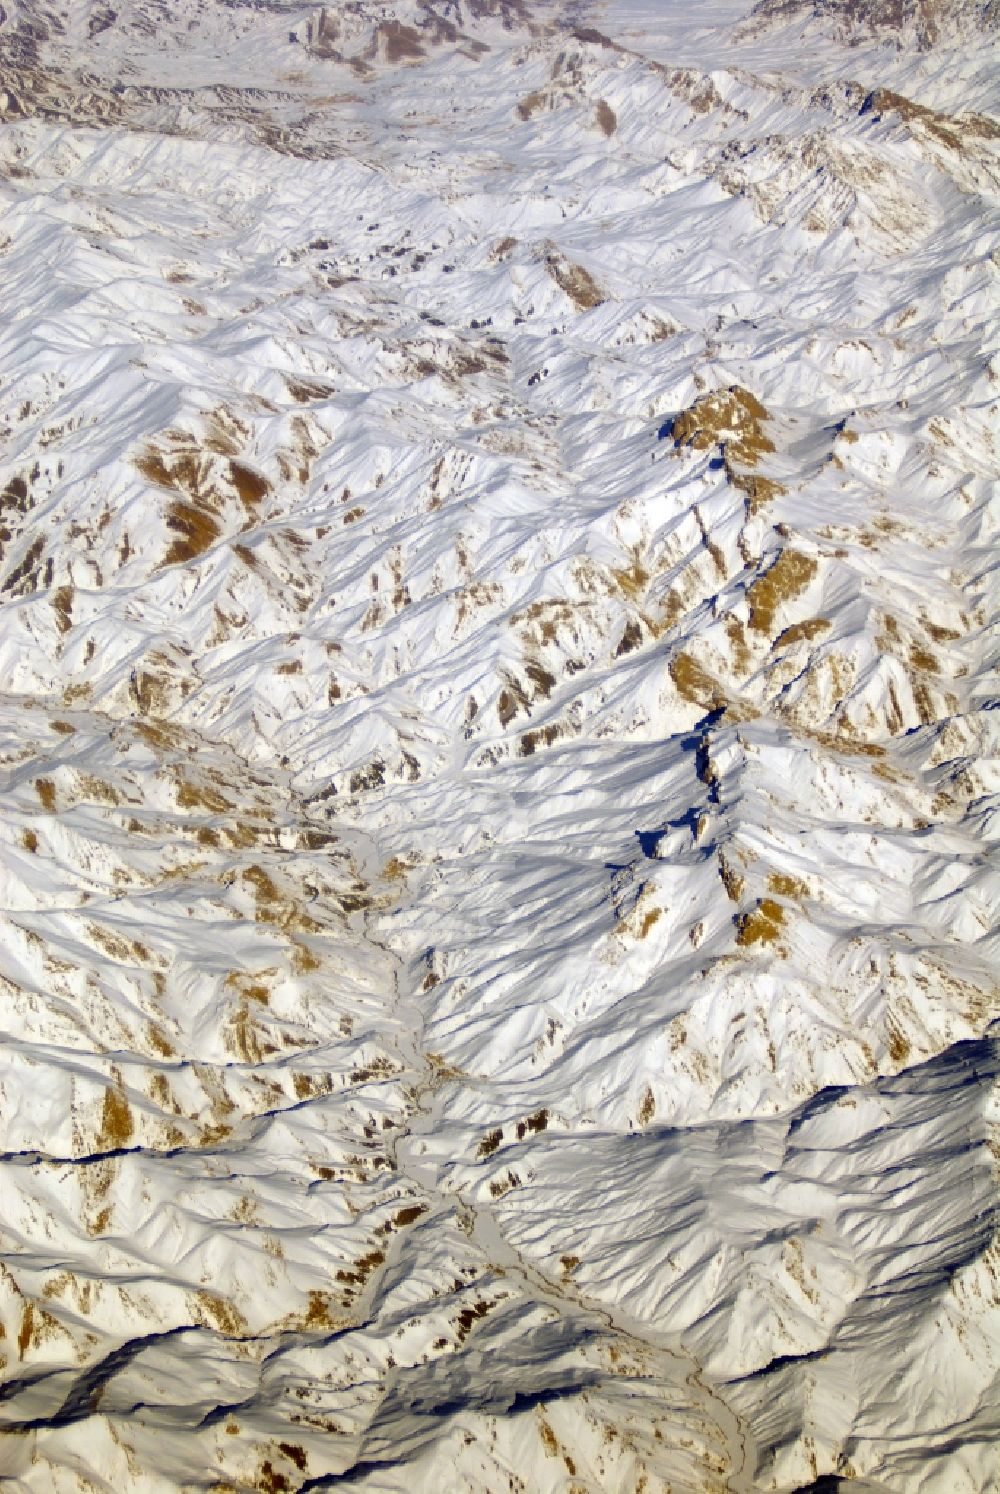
(498,650)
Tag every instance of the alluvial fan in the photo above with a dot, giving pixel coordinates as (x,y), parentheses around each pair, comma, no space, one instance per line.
(501,779)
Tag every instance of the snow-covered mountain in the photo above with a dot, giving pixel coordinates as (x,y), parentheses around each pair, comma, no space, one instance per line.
(925,23)
(498,642)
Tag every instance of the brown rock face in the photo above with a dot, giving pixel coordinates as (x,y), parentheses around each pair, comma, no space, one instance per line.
(933,21)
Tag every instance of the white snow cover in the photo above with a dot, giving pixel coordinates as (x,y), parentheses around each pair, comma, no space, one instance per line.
(498,731)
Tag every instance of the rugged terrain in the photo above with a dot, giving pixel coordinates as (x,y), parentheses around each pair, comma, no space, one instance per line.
(498,578)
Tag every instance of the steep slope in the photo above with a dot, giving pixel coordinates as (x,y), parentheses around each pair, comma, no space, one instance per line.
(498,631)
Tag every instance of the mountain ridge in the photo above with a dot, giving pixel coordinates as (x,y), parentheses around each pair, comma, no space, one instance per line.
(497,621)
